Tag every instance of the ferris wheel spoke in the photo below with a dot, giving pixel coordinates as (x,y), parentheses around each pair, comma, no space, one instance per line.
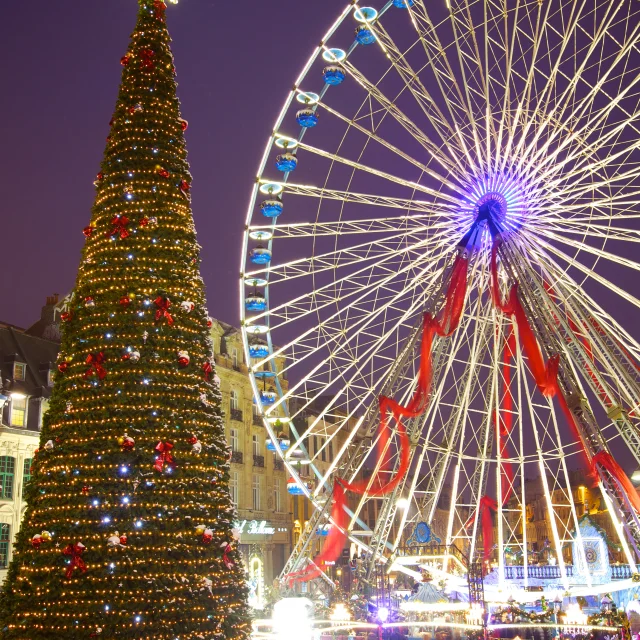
(558,278)
(600,253)
(572,262)
(390,106)
(372,134)
(352,372)
(348,291)
(590,229)
(520,34)
(596,121)
(533,152)
(578,189)
(382,254)
(414,186)
(447,81)
(580,158)
(448,132)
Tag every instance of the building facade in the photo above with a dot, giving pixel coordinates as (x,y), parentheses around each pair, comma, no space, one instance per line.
(27,363)
(258,479)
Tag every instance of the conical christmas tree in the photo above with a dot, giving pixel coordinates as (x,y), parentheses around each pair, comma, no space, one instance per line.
(128,530)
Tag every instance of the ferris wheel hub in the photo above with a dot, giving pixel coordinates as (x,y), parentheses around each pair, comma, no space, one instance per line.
(492,206)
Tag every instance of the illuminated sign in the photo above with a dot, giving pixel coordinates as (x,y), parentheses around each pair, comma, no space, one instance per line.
(258,528)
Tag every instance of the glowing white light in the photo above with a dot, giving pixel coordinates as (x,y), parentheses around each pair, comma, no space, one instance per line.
(292,619)
(403,503)
(383,614)
(340,613)
(18,396)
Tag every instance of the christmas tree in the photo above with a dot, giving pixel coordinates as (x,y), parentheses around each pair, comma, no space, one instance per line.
(128,531)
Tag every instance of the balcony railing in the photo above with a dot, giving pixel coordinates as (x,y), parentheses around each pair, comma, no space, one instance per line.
(278,465)
(236,414)
(236,456)
(257,420)
(258,461)
(621,572)
(543,572)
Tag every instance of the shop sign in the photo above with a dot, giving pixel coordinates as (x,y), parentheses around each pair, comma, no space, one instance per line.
(256,527)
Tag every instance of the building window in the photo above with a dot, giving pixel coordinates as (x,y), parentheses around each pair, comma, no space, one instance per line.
(277,497)
(50,378)
(255,487)
(234,401)
(256,445)
(234,357)
(295,507)
(323,455)
(233,488)
(7,471)
(19,371)
(26,473)
(331,450)
(18,411)
(306,509)
(44,407)
(5,535)
(235,440)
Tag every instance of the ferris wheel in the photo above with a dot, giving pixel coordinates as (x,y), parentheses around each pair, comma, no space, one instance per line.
(440,258)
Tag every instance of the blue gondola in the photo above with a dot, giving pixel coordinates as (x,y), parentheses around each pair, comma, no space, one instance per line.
(258,350)
(260,255)
(293,488)
(268,397)
(255,302)
(271,208)
(333,75)
(283,441)
(286,162)
(402,4)
(307,118)
(364,35)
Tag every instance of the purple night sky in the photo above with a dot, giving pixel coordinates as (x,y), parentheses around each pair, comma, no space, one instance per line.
(235,61)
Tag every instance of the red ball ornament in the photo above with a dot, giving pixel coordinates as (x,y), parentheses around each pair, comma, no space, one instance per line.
(65,316)
(126,355)
(88,231)
(85,490)
(124,61)
(100,176)
(36,541)
(209,323)
(125,301)
(127,443)
(192,440)
(207,536)
(184,185)
(163,173)
(184,125)
(63,366)
(144,221)
(123,540)
(183,358)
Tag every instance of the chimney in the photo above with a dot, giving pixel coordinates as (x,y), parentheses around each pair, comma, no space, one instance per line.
(48,314)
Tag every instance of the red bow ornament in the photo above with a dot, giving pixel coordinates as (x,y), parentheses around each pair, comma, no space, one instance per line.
(146,58)
(226,558)
(162,310)
(95,360)
(164,457)
(75,551)
(119,227)
(159,8)
(207,368)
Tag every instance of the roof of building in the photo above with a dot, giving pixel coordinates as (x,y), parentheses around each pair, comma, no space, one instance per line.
(37,353)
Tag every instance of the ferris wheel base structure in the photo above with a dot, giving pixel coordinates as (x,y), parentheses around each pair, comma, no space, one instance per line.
(470,173)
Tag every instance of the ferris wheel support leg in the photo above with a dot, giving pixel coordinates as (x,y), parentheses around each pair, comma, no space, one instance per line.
(577,405)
